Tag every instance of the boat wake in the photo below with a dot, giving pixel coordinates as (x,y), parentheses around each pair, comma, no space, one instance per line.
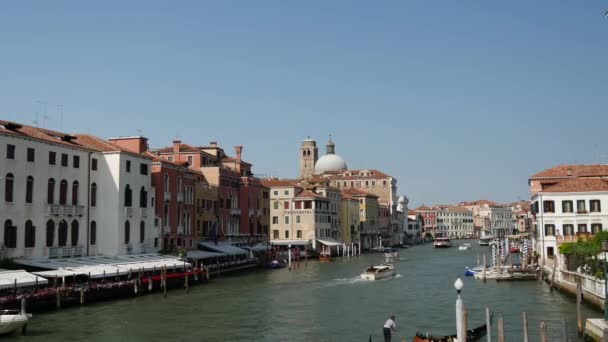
(345,281)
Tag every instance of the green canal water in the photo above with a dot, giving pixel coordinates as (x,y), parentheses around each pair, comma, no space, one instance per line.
(317,302)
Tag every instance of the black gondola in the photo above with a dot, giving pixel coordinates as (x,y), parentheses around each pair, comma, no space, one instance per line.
(473,335)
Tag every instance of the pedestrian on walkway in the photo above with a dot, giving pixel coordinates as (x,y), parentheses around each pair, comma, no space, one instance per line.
(389,328)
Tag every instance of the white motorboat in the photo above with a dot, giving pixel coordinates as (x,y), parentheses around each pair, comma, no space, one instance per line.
(12,321)
(378,272)
(464,247)
(442,242)
(485,240)
(391,257)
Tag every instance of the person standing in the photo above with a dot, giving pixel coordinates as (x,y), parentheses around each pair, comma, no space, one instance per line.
(389,328)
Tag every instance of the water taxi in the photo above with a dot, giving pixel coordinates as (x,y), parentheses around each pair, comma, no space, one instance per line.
(442,242)
(485,240)
(12,321)
(378,272)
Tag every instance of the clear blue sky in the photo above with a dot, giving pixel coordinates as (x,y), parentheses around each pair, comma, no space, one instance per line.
(459,100)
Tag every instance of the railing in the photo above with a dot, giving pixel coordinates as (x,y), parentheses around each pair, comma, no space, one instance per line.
(235,211)
(128,248)
(260,212)
(68,210)
(129,212)
(167,230)
(167,196)
(144,212)
(79,210)
(64,252)
(180,230)
(590,284)
(180,197)
(76,251)
(54,209)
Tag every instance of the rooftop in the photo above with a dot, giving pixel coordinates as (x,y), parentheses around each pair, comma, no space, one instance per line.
(571,170)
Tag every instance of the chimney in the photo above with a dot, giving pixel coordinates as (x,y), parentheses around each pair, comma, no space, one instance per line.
(238,150)
(176,145)
(213,143)
(137,144)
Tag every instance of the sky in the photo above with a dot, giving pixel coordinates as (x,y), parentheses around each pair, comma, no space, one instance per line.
(459,100)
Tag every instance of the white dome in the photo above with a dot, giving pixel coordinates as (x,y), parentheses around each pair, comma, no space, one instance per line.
(330,162)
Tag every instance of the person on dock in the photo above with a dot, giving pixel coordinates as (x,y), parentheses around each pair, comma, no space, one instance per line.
(389,328)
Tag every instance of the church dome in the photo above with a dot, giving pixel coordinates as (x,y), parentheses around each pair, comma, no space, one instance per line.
(330,162)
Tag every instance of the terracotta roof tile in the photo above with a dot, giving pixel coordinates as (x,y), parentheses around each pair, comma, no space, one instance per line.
(47,135)
(565,171)
(308,194)
(579,185)
(279,182)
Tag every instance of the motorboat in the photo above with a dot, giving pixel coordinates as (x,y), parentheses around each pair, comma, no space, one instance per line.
(378,272)
(391,257)
(442,242)
(485,240)
(325,257)
(470,272)
(464,247)
(12,321)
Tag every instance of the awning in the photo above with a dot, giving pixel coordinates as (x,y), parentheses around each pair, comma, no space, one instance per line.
(290,242)
(8,279)
(202,255)
(260,247)
(221,247)
(330,242)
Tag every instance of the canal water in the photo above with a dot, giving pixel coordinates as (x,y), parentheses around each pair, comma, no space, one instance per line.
(318,302)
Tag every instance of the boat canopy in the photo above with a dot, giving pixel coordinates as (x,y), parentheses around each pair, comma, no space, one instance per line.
(221,247)
(20,278)
(330,242)
(202,255)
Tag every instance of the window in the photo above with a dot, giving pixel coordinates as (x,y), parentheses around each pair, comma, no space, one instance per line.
(9,181)
(93,233)
(76,162)
(29,189)
(286,219)
(10,234)
(594,206)
(63,192)
(170,158)
(567,207)
(143,169)
(286,205)
(74,235)
(297,218)
(128,196)
(127,232)
(75,193)
(31,154)
(143,198)
(276,205)
(286,192)
(63,233)
(50,233)
(568,229)
(10,151)
(596,228)
(64,160)
(299,234)
(142,231)
(166,182)
(276,193)
(298,205)
(582,228)
(94,164)
(275,220)
(93,195)
(580,206)
(275,234)
(128,166)
(308,205)
(548,206)
(189,160)
(287,234)
(30,235)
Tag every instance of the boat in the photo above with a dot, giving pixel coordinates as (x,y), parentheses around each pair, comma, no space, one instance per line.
(391,257)
(442,242)
(12,321)
(464,247)
(274,265)
(470,272)
(485,240)
(473,335)
(513,249)
(378,272)
(325,257)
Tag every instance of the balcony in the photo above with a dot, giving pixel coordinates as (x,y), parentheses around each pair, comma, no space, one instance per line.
(167,196)
(582,211)
(68,210)
(144,212)
(129,212)
(251,212)
(235,211)
(260,212)
(54,209)
(167,230)
(64,252)
(180,230)
(79,210)
(180,197)
(128,248)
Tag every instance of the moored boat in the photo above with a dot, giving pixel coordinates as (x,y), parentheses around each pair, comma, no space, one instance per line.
(473,335)
(324,257)
(485,240)
(378,272)
(464,247)
(12,321)
(442,242)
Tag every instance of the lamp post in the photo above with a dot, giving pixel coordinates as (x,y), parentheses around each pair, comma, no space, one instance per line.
(605,249)
(458,285)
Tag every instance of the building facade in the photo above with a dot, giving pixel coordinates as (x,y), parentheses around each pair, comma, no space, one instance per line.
(349,219)
(455,222)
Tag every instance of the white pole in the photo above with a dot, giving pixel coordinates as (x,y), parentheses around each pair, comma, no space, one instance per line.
(338,252)
(289,256)
(459,310)
(352,248)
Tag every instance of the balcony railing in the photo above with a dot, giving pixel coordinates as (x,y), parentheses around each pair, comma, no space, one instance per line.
(68,210)
(235,211)
(79,209)
(167,230)
(167,196)
(180,197)
(129,212)
(64,252)
(260,212)
(128,248)
(54,209)
(144,212)
(180,230)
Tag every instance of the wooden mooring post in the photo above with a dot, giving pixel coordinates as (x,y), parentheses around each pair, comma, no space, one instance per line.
(553,273)
(501,329)
(488,325)
(525,317)
(579,317)
(484,268)
(543,331)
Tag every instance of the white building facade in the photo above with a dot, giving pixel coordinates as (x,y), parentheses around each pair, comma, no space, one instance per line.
(455,222)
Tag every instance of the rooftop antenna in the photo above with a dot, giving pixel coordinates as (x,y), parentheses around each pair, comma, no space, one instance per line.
(60,110)
(35,122)
(43,111)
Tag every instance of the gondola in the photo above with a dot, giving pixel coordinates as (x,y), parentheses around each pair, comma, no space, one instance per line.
(473,335)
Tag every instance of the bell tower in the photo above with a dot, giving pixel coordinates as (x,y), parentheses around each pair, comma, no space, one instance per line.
(308,157)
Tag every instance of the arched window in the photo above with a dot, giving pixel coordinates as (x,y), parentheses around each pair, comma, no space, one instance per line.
(50,233)
(75,193)
(9,181)
(127,232)
(74,234)
(142,231)
(93,195)
(29,189)
(93,233)
(63,233)
(143,198)
(30,234)
(179,185)
(128,196)
(10,234)
(63,192)
(50,192)
(166,183)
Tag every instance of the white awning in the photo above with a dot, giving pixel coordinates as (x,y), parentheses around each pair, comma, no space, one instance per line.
(21,278)
(330,242)
(289,242)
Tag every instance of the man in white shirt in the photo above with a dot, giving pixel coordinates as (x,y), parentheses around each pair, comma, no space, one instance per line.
(389,326)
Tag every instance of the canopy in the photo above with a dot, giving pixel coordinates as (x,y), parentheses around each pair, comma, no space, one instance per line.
(20,277)
(221,247)
(289,242)
(330,242)
(260,247)
(201,255)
